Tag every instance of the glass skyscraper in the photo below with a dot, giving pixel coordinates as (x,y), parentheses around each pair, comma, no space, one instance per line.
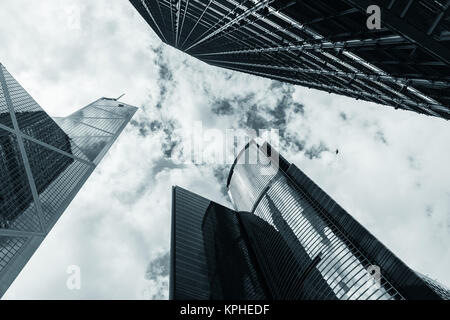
(320,44)
(44,162)
(285,239)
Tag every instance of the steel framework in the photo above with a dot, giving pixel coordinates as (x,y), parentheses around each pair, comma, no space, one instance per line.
(320,44)
(44,162)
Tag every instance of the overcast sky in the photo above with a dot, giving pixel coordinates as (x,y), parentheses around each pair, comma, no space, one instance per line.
(391,173)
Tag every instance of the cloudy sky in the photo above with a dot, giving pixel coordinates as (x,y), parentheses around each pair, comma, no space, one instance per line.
(391,172)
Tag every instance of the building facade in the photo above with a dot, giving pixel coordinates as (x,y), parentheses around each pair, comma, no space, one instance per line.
(285,239)
(327,45)
(44,162)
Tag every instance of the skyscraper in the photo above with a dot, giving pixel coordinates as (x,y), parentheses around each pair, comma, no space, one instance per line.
(326,45)
(44,162)
(284,239)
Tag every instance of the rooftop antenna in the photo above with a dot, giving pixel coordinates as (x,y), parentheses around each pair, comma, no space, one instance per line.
(120,96)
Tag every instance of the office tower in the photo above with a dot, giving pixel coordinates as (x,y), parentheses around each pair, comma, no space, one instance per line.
(285,238)
(44,162)
(321,44)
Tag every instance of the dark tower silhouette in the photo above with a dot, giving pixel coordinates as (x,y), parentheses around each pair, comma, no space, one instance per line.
(285,239)
(320,44)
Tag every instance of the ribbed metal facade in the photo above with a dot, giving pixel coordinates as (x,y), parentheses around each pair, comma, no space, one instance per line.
(44,162)
(286,239)
(188,269)
(320,44)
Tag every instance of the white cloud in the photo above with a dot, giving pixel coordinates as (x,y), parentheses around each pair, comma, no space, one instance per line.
(120,220)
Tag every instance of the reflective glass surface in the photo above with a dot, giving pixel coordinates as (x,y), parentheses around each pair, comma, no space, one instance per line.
(232,272)
(23,104)
(308,247)
(251,174)
(43,164)
(338,270)
(5,117)
(17,210)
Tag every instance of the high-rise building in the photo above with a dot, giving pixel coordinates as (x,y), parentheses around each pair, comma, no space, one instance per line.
(44,162)
(335,46)
(284,239)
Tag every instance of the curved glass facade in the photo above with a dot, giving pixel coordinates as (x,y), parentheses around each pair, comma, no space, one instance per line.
(286,239)
(307,246)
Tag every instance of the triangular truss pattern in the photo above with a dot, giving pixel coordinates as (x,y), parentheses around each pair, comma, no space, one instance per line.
(33,121)
(5,117)
(43,164)
(92,146)
(75,128)
(49,133)
(27,111)
(107,125)
(17,208)
(56,177)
